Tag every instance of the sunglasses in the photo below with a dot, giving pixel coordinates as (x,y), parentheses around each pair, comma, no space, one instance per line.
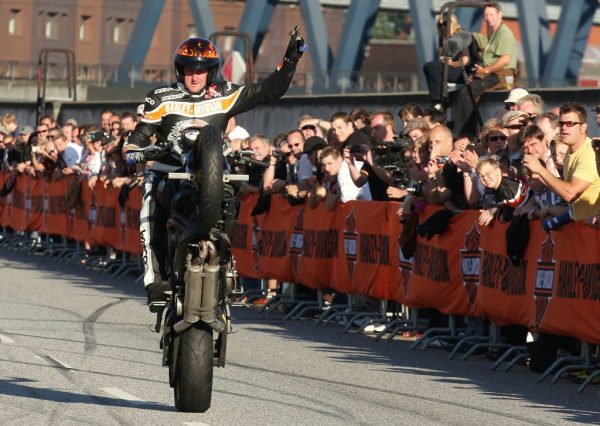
(291,145)
(514,127)
(43,131)
(497,138)
(568,123)
(308,127)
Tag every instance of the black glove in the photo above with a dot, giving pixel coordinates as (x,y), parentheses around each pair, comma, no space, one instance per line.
(296,47)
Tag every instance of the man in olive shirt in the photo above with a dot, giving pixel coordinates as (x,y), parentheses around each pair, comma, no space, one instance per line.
(581,184)
(499,55)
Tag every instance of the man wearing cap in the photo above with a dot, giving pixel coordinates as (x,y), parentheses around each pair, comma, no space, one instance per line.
(499,58)
(514,96)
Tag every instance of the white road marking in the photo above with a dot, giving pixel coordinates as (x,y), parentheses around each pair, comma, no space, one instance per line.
(58,362)
(116,392)
(195,424)
(5,339)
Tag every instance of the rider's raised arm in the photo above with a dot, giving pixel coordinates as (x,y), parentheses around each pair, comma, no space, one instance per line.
(275,84)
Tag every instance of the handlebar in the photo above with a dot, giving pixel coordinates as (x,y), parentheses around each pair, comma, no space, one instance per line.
(244,157)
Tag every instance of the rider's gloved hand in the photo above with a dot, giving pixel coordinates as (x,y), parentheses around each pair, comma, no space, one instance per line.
(296,47)
(134,157)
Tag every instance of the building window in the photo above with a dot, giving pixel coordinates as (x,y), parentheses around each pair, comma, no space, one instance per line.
(13,23)
(51,26)
(84,27)
(118,33)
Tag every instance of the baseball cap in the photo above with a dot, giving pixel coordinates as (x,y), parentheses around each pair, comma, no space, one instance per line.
(72,122)
(26,130)
(238,132)
(511,115)
(515,95)
(313,143)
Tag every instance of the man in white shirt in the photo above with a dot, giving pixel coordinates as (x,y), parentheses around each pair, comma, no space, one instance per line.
(340,185)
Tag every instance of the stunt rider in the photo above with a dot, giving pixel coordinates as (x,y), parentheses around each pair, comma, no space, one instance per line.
(197,99)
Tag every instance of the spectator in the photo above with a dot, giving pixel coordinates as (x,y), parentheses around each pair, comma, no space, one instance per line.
(513,121)
(514,96)
(433,117)
(531,104)
(48,121)
(9,124)
(41,131)
(339,183)
(408,112)
(383,127)
(105,116)
(434,70)
(548,123)
(499,60)
(345,132)
(581,184)
(25,133)
(321,126)
(128,123)
(259,144)
(502,193)
(416,129)
(361,119)
(559,151)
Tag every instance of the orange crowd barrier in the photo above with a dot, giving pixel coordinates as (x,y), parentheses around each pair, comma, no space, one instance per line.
(464,271)
(355,249)
(40,205)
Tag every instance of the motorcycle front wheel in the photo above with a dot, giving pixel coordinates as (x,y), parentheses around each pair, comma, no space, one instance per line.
(209,175)
(194,375)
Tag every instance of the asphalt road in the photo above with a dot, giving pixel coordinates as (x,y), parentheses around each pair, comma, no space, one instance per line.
(75,349)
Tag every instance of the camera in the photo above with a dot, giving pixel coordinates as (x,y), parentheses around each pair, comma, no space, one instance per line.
(414,189)
(100,135)
(36,149)
(441,160)
(358,149)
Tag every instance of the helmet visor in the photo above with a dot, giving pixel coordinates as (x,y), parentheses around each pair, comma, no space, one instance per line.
(198,48)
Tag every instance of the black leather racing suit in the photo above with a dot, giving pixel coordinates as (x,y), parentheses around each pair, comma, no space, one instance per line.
(167,111)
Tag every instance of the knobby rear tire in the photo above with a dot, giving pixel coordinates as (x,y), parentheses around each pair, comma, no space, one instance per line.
(194,376)
(209,175)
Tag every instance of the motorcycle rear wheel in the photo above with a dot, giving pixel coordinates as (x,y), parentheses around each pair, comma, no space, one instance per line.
(194,376)
(209,175)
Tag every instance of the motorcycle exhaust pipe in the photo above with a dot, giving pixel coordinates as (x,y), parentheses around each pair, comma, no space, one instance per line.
(210,290)
(201,291)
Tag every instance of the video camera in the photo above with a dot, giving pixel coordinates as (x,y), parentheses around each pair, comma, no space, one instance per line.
(390,156)
(100,135)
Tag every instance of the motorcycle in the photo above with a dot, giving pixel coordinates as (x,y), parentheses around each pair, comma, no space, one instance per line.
(195,320)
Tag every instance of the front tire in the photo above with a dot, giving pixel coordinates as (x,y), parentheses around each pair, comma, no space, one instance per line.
(209,176)
(193,380)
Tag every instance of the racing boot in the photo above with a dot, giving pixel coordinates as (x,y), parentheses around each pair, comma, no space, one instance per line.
(155,292)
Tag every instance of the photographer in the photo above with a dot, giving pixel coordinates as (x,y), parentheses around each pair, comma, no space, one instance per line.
(364,170)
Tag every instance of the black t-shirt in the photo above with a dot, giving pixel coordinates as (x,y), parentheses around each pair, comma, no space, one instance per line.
(377,186)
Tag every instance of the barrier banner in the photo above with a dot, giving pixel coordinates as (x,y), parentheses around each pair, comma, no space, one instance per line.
(437,279)
(56,220)
(132,243)
(567,283)
(80,225)
(34,204)
(105,227)
(322,260)
(244,239)
(368,248)
(401,265)
(505,291)
(275,239)
(18,214)
(3,202)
